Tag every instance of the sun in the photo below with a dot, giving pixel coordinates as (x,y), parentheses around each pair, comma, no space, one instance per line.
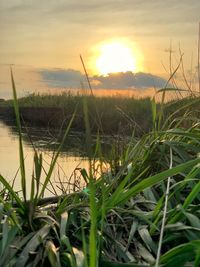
(115,57)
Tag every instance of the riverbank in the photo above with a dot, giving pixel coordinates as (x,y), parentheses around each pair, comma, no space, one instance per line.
(107,115)
(115,116)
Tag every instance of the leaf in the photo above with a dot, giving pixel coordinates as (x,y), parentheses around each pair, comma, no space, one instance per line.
(71,255)
(134,227)
(5,236)
(194,220)
(93,236)
(179,255)
(144,233)
(154,112)
(180,227)
(148,182)
(145,254)
(12,192)
(85,176)
(190,198)
(63,224)
(79,257)
(13,248)
(52,254)
(21,152)
(32,245)
(8,235)
(193,194)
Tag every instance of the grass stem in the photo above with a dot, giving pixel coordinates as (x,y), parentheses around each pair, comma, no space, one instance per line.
(164,213)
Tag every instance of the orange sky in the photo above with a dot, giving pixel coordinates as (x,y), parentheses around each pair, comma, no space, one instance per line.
(48,35)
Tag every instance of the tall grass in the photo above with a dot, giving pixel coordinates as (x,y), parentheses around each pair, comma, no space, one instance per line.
(109,115)
(117,220)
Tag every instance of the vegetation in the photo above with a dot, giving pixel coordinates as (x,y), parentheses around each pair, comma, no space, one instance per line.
(117,219)
(108,115)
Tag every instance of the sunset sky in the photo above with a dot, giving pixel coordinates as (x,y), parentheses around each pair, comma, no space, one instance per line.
(44,38)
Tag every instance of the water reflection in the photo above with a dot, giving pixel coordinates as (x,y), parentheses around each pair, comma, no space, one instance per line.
(67,168)
(48,139)
(73,157)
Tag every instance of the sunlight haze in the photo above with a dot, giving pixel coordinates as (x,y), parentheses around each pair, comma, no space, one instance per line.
(116,57)
(43,39)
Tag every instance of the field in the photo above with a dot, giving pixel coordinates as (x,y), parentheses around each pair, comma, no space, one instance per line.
(143,213)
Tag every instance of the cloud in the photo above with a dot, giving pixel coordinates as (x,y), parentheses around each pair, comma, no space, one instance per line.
(61,78)
(134,7)
(132,13)
(130,80)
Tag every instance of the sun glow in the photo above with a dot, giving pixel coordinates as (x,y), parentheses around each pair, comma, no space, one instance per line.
(115,57)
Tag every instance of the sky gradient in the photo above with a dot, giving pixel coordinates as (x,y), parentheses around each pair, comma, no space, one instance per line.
(45,37)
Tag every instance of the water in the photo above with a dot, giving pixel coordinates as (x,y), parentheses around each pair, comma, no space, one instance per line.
(68,164)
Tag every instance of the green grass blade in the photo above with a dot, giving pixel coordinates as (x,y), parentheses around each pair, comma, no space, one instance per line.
(148,182)
(193,194)
(63,223)
(154,113)
(56,157)
(84,245)
(189,199)
(32,245)
(65,240)
(179,255)
(93,237)
(21,153)
(12,192)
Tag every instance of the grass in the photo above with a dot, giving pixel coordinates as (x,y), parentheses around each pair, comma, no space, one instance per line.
(117,219)
(108,115)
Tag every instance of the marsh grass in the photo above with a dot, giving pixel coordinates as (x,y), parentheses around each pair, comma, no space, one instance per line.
(107,115)
(113,116)
(116,220)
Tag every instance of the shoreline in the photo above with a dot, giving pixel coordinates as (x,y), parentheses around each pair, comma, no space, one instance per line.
(56,118)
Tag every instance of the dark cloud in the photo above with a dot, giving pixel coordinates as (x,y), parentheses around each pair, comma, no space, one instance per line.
(62,78)
(72,79)
(130,80)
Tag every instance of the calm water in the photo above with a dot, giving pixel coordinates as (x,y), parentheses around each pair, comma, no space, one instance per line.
(67,166)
